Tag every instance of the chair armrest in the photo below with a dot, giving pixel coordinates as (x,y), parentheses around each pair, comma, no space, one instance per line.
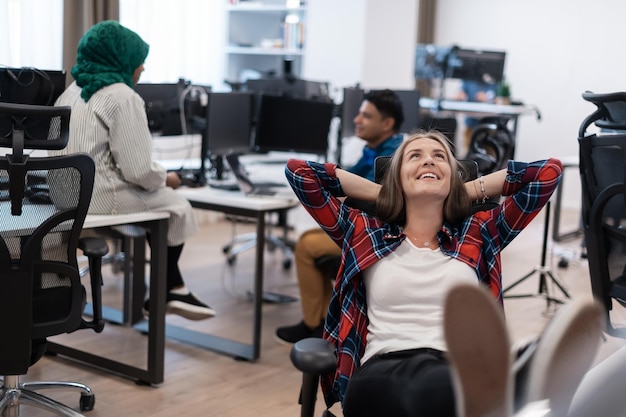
(314,355)
(94,248)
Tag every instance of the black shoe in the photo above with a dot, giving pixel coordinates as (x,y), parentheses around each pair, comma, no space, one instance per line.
(292,334)
(187,306)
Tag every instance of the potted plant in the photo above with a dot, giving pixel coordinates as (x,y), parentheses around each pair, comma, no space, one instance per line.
(503,94)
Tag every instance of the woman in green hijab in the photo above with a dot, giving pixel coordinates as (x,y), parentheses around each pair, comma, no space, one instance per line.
(109,123)
(108,53)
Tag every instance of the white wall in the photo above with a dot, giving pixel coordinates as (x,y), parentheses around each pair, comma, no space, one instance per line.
(371,42)
(187,39)
(334,42)
(556,50)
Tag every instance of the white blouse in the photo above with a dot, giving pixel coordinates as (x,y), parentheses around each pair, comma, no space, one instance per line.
(405,295)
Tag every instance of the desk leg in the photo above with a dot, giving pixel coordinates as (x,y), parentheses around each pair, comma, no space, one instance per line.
(258,284)
(156,326)
(137,289)
(158,290)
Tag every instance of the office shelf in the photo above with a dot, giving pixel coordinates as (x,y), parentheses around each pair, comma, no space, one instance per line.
(261,36)
(263,8)
(262,51)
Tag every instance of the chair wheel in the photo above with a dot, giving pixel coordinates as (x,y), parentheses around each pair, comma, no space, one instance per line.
(226,249)
(287,264)
(231,260)
(87,402)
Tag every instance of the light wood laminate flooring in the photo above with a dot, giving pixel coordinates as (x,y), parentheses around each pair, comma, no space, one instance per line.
(203,383)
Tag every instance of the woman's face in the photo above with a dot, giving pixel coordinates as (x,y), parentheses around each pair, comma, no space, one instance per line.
(425,169)
(137,74)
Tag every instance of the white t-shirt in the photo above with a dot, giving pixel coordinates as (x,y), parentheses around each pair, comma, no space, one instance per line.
(405,296)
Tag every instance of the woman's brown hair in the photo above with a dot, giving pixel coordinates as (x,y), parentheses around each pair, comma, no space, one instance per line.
(390,204)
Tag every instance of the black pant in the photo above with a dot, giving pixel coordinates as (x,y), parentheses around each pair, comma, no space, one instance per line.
(411,383)
(174,277)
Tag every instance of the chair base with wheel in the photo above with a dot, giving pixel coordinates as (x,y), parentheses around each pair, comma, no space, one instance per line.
(13,393)
(243,242)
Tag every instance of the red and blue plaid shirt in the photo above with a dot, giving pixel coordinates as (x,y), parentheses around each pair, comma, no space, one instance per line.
(364,240)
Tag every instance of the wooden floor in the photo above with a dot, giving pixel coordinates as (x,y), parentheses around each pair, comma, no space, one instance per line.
(203,383)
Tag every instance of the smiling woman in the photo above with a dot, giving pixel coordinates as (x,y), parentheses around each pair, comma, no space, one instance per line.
(386,312)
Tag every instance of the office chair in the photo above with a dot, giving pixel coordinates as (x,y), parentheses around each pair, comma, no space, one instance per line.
(242,242)
(43,204)
(491,144)
(603,180)
(444,123)
(315,356)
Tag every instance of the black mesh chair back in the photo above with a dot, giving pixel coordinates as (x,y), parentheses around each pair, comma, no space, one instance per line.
(603,180)
(610,113)
(446,124)
(43,205)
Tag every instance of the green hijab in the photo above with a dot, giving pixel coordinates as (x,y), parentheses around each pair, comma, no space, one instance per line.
(107,54)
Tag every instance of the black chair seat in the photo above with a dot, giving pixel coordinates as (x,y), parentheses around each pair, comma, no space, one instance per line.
(313,355)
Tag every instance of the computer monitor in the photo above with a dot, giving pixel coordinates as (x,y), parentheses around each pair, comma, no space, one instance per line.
(163,106)
(286,87)
(290,87)
(410,109)
(227,128)
(484,66)
(431,61)
(352,99)
(34,87)
(31,85)
(293,125)
(229,123)
(410,100)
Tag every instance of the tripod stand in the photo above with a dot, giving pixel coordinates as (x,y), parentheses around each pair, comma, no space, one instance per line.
(543,271)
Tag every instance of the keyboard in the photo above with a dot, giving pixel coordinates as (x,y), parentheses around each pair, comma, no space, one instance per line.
(227,186)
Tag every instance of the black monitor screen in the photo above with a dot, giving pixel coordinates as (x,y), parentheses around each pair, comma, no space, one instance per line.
(410,100)
(410,109)
(430,61)
(485,66)
(294,88)
(31,85)
(293,125)
(163,106)
(352,99)
(229,123)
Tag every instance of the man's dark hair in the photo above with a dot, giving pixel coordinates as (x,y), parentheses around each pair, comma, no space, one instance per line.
(388,104)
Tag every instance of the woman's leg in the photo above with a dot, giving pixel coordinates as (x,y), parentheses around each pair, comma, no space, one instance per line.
(174,277)
(179,299)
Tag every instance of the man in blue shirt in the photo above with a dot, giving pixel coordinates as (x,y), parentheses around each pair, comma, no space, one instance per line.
(377,123)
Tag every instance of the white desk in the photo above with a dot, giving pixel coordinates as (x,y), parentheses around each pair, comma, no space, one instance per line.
(475,107)
(235,203)
(156,224)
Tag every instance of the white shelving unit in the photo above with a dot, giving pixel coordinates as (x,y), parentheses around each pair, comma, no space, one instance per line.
(261,35)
